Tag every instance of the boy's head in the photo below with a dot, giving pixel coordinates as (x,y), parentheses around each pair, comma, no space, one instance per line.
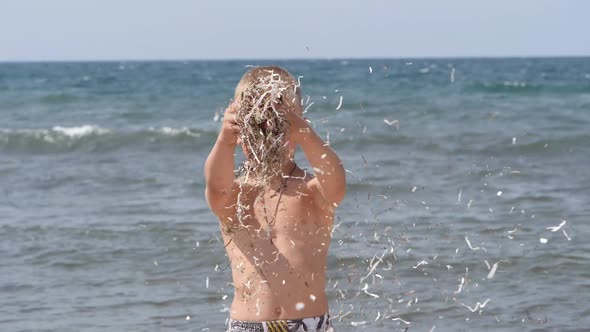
(282,78)
(264,95)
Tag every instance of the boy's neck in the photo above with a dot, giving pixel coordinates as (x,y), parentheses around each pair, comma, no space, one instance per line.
(288,168)
(287,171)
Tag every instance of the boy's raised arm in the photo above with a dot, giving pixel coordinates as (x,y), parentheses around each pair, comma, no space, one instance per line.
(330,176)
(219,167)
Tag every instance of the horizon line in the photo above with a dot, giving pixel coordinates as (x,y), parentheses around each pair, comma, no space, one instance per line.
(480,57)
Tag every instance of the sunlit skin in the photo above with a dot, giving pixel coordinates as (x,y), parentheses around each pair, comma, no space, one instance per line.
(284,276)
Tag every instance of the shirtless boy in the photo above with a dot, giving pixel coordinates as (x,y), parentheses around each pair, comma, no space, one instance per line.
(276,234)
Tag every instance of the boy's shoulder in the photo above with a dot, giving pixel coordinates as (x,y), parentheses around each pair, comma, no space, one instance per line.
(305,184)
(314,190)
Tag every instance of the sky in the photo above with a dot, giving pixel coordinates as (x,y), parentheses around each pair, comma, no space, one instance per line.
(62,30)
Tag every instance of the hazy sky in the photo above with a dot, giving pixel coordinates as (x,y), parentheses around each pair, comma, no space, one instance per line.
(269,29)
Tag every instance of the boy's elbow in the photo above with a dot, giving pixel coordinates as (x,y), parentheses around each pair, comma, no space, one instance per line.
(215,199)
(338,190)
(337,193)
(218,197)
(210,197)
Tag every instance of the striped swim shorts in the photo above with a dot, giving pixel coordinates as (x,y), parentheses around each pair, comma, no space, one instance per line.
(316,324)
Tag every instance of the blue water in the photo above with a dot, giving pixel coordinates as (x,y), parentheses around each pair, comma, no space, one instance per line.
(104,226)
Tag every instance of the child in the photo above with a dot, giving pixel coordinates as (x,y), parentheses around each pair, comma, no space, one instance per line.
(276,219)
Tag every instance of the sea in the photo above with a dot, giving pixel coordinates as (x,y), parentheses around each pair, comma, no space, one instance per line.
(467,206)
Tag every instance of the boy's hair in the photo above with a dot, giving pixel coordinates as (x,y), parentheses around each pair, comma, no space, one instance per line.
(254,74)
(264,95)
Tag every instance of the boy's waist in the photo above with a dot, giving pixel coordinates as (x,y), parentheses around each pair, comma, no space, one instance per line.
(319,323)
(262,308)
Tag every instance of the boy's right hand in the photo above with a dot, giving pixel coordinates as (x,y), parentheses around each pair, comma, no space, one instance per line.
(229,127)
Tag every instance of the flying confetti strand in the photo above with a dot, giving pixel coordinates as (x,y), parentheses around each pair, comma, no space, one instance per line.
(339,103)
(365,289)
(394,123)
(401,320)
(477,306)
(469,244)
(492,272)
(558,227)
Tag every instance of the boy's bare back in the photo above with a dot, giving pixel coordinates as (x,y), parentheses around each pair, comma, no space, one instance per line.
(283,278)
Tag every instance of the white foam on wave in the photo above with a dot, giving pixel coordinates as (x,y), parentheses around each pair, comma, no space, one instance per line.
(175,131)
(77,132)
(60,134)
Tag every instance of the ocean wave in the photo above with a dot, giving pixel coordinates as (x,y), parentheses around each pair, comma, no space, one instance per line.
(75,132)
(175,131)
(566,144)
(469,144)
(58,98)
(517,87)
(375,138)
(91,138)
